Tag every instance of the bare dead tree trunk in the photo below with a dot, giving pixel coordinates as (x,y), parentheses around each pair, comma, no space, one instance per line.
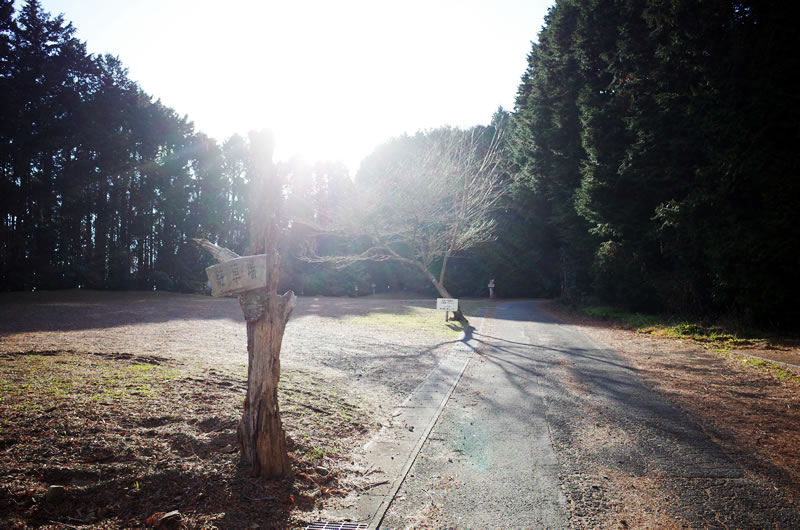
(261,435)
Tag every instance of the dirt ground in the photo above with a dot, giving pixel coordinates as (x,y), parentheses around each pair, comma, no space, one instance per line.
(751,411)
(130,401)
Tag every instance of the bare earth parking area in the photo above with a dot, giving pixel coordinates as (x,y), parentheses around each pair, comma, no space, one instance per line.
(130,401)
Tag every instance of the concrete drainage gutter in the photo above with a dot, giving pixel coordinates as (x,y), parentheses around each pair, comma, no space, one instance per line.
(421,409)
(395,448)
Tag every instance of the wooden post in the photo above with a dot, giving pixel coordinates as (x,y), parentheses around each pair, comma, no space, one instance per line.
(261,436)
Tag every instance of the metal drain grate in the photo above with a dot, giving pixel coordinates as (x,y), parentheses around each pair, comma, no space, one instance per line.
(336,526)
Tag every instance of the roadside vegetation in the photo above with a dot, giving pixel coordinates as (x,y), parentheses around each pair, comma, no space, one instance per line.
(749,346)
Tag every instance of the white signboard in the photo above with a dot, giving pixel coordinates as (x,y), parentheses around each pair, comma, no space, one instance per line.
(238,275)
(447,304)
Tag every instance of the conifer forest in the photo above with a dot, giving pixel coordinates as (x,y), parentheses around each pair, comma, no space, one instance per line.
(650,162)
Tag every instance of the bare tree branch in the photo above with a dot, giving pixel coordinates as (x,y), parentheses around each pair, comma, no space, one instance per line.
(422,206)
(219,253)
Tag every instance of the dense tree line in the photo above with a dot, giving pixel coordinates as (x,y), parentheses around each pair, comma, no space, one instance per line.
(649,162)
(100,184)
(658,142)
(104,187)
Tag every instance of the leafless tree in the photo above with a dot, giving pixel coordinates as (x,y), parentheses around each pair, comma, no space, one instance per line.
(428,202)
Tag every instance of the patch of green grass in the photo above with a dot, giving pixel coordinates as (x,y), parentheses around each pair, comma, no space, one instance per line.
(774,368)
(754,362)
(316,453)
(414,318)
(714,338)
(318,415)
(65,376)
(6,387)
(28,406)
(684,329)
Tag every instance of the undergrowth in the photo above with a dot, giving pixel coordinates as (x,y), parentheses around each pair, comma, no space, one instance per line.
(632,320)
(714,338)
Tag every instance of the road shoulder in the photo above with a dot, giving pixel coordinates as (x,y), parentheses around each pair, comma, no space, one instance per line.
(750,413)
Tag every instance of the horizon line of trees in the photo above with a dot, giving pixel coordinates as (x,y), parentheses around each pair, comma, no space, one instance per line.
(649,163)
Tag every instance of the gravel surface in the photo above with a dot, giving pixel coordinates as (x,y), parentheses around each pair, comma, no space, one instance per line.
(749,411)
(613,429)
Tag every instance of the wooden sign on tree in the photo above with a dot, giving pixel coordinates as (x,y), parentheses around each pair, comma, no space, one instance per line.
(261,436)
(255,278)
(238,275)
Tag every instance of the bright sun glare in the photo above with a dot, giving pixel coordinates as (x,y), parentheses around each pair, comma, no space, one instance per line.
(332,80)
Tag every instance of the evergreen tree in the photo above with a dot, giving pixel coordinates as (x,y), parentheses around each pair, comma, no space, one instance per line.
(668,128)
(546,145)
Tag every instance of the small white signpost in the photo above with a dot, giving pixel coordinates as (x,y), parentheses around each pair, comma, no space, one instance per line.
(239,275)
(447,304)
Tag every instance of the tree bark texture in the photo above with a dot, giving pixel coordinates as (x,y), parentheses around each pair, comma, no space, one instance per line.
(261,435)
(262,439)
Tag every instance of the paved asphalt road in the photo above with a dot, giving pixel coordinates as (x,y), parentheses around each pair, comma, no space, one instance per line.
(547,429)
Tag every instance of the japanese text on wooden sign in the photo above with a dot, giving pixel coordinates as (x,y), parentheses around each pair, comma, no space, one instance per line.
(238,275)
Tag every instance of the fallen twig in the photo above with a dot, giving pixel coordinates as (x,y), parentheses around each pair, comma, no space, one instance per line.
(315,409)
(375,485)
(430,496)
(65,525)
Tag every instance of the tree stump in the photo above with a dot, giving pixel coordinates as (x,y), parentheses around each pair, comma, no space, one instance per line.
(261,436)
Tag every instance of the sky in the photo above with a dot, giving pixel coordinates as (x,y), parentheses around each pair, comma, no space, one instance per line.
(332,79)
